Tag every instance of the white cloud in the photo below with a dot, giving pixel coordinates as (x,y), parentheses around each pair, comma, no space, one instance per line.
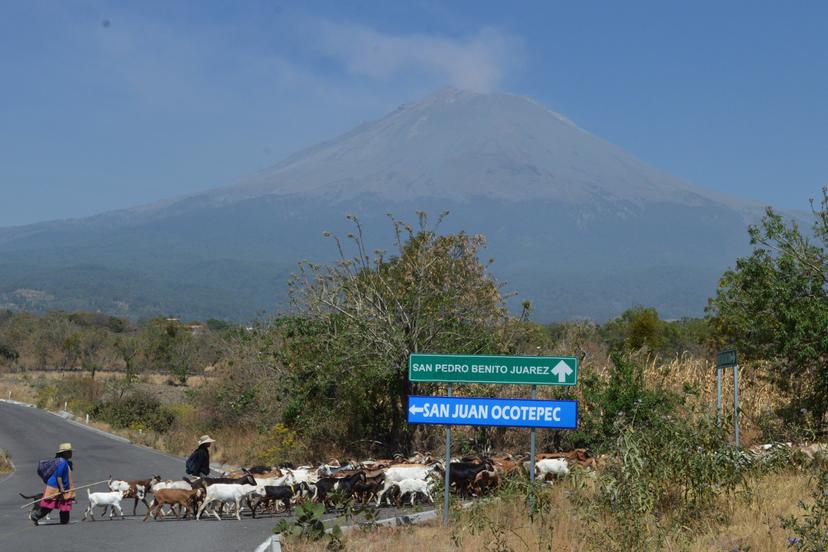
(477,62)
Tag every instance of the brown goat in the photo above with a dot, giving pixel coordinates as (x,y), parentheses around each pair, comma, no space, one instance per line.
(171,497)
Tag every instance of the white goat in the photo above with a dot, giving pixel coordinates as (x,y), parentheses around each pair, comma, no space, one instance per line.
(303,473)
(554,466)
(226,493)
(415,487)
(111,498)
(395,474)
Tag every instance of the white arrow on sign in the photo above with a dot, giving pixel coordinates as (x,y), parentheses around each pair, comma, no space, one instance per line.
(416,409)
(562,370)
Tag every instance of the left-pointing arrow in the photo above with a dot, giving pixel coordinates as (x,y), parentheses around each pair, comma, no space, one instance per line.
(416,409)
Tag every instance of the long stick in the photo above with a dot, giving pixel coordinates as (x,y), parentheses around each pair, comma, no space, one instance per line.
(58,494)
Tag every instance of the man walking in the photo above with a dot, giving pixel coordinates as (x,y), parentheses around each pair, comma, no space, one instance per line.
(198,464)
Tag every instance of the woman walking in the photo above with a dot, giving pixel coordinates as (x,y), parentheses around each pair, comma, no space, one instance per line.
(60,488)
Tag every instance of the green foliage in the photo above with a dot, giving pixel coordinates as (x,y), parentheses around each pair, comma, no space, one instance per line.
(76,391)
(810,531)
(773,306)
(642,328)
(309,526)
(135,411)
(620,400)
(665,477)
(358,320)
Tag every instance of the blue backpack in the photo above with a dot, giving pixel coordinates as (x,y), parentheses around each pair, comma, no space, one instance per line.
(47,468)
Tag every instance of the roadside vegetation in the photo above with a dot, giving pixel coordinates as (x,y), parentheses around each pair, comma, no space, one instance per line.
(5,462)
(327,379)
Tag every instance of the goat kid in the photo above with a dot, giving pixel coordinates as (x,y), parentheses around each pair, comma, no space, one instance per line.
(109,499)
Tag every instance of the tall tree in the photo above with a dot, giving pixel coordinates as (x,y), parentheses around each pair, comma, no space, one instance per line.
(774,304)
(357,320)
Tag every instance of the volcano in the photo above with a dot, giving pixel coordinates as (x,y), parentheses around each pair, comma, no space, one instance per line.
(576,225)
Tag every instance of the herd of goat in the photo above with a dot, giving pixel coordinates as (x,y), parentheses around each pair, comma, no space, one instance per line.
(278,488)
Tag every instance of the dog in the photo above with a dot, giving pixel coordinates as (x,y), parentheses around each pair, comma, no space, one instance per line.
(36,505)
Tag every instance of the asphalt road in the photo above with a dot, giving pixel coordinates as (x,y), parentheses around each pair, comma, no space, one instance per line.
(30,434)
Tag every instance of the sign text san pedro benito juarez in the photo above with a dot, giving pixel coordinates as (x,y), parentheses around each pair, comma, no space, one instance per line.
(493,369)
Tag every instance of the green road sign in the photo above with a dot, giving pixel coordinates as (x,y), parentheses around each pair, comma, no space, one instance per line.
(726,358)
(524,370)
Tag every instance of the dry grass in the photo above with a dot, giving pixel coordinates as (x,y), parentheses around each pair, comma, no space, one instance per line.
(5,462)
(751,522)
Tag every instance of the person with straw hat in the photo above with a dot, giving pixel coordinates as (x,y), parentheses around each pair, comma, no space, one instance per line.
(60,487)
(198,464)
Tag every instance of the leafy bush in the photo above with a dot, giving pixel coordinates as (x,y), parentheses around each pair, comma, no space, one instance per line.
(280,444)
(665,477)
(811,530)
(309,526)
(135,411)
(77,392)
(622,396)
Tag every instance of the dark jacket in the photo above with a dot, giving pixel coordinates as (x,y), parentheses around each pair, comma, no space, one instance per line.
(198,463)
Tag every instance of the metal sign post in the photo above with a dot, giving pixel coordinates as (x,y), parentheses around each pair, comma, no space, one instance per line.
(726,359)
(718,396)
(448,472)
(736,403)
(532,463)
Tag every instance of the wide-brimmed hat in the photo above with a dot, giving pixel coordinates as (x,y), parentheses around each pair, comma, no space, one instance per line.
(65,447)
(205,439)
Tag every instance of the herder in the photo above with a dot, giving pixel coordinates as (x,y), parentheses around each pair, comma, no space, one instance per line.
(60,487)
(198,464)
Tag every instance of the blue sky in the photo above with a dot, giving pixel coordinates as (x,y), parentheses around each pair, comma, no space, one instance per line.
(109,104)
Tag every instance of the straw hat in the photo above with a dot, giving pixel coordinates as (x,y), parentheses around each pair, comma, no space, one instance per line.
(205,439)
(65,447)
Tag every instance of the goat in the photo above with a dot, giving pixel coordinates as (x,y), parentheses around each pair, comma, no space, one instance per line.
(321,489)
(398,472)
(135,488)
(581,456)
(413,487)
(111,498)
(205,482)
(303,473)
(280,493)
(462,474)
(224,493)
(486,480)
(365,490)
(183,498)
(169,484)
(555,467)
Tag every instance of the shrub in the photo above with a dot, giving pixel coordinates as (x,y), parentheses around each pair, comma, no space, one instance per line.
(665,478)
(135,411)
(5,462)
(810,532)
(622,396)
